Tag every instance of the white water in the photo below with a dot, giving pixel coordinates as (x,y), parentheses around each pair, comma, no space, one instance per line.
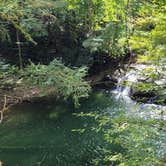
(122,94)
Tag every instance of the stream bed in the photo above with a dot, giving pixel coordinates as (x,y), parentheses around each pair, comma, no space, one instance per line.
(56,134)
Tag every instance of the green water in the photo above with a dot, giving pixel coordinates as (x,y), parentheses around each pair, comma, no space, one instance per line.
(52,134)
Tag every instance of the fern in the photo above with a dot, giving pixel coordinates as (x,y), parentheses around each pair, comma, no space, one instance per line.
(58,78)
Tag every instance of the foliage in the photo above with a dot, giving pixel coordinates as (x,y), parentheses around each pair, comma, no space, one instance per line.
(7,70)
(23,16)
(149,36)
(55,77)
(111,27)
(9,75)
(110,34)
(133,136)
(128,141)
(109,40)
(22,21)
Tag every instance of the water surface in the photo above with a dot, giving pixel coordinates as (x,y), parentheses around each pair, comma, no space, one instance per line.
(56,134)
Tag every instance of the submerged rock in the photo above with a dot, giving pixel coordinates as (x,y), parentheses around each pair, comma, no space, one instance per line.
(56,112)
(54,115)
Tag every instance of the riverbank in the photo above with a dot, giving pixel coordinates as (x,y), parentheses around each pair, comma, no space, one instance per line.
(144,83)
(16,95)
(15,92)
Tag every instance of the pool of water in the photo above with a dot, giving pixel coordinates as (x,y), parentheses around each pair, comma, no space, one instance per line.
(56,134)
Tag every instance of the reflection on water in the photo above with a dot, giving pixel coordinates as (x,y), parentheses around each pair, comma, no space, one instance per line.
(52,134)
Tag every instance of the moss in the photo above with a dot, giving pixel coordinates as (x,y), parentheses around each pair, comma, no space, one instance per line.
(145,92)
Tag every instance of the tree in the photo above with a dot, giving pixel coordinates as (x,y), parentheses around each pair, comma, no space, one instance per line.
(148,40)
(28,18)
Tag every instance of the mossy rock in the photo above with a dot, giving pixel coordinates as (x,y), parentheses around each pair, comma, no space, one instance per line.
(149,92)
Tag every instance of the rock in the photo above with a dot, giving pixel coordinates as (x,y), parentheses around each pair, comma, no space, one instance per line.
(160,82)
(143,96)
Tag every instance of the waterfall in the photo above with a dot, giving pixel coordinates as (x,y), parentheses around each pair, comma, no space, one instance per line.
(123,88)
(122,94)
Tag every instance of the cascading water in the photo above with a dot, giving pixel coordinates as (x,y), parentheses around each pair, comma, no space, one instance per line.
(123,91)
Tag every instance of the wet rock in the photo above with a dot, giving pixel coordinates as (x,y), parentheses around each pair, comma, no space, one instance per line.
(143,96)
(160,82)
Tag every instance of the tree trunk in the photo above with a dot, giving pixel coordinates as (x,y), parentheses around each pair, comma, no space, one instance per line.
(19,50)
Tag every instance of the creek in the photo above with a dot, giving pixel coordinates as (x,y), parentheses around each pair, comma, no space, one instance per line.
(56,134)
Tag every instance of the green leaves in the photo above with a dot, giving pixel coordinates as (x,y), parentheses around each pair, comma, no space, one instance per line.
(135,139)
(149,36)
(110,40)
(56,78)
(27,16)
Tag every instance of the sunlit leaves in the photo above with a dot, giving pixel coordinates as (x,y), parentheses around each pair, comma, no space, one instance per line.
(149,35)
(134,136)
(110,40)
